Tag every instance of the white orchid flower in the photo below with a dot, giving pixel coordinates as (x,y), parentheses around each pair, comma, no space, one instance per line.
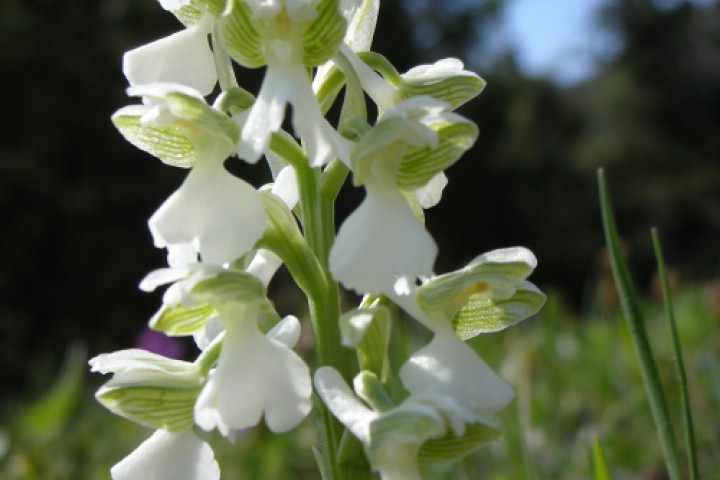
(256,375)
(391,438)
(382,240)
(279,34)
(220,215)
(169,456)
(183,57)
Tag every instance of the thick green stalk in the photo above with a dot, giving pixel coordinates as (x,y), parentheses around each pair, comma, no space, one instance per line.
(636,324)
(688,429)
(318,224)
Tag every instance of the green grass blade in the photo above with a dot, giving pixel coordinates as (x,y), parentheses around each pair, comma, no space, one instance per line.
(688,429)
(600,470)
(635,322)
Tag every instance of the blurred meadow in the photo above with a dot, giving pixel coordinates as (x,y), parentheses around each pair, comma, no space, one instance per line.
(75,197)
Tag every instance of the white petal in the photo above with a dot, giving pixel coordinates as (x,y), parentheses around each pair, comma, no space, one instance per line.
(449,374)
(213,328)
(318,135)
(287,331)
(183,57)
(266,115)
(343,403)
(438,70)
(286,187)
(255,375)
(169,456)
(379,242)
(173,5)
(361,26)
(222,215)
(380,91)
(508,255)
(181,255)
(162,276)
(430,194)
(264,265)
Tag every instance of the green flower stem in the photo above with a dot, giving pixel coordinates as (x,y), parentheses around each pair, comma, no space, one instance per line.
(688,428)
(636,324)
(319,228)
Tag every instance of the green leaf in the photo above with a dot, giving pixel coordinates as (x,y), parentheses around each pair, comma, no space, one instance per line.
(242,36)
(636,324)
(485,315)
(420,164)
(179,320)
(324,33)
(46,417)
(168,142)
(600,470)
(453,447)
(688,428)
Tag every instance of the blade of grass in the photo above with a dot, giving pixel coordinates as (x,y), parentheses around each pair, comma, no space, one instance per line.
(600,470)
(636,324)
(688,429)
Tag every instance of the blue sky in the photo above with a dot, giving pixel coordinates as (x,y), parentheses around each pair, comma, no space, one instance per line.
(555,38)
(558,38)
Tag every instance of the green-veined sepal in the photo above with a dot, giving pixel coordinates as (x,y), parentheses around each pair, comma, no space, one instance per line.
(494,275)
(166,142)
(180,320)
(149,389)
(175,125)
(187,12)
(242,35)
(445,80)
(482,314)
(215,7)
(230,286)
(421,163)
(453,447)
(323,34)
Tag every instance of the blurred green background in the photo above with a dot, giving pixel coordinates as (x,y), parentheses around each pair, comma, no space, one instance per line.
(75,197)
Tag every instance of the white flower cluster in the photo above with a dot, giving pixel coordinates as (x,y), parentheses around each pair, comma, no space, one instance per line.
(225,239)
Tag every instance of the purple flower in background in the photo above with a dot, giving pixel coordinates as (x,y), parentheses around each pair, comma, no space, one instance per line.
(159,343)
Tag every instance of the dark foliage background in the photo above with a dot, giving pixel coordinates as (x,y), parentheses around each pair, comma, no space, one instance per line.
(74,196)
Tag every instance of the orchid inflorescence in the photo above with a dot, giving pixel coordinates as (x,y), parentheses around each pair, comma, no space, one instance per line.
(225,240)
